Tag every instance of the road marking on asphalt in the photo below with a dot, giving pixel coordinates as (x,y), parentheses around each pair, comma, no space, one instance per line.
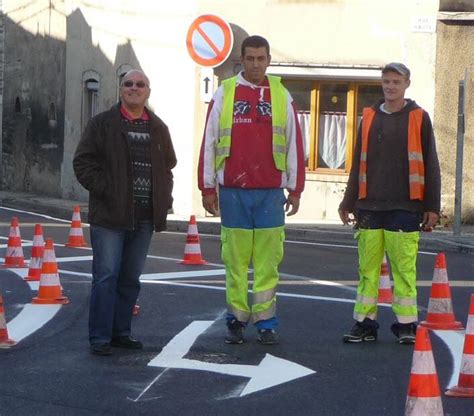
(454,340)
(43,224)
(32,316)
(279,294)
(174,259)
(70,272)
(310,243)
(179,275)
(34,213)
(23,244)
(71,259)
(271,371)
(30,319)
(419,283)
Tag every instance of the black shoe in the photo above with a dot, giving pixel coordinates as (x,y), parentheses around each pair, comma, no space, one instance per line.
(267,337)
(406,333)
(101,349)
(126,341)
(362,331)
(235,332)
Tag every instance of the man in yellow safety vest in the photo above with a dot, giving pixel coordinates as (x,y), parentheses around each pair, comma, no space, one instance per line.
(252,150)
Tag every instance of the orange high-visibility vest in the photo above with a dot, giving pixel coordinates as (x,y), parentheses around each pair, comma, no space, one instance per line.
(415,153)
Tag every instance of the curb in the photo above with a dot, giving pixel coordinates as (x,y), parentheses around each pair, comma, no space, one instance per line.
(323,234)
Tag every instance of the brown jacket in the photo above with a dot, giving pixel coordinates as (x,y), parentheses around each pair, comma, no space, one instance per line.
(102,166)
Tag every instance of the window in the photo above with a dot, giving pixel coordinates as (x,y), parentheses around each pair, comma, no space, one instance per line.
(329,113)
(89,102)
(90,96)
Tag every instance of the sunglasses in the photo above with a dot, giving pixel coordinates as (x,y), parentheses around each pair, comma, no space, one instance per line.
(138,84)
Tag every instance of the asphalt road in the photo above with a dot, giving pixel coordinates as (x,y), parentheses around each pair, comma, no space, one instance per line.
(186,368)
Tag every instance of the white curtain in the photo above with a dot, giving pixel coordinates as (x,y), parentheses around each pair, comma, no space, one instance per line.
(332,139)
(304,120)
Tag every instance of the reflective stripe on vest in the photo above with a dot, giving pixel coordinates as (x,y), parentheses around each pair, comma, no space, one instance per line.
(279,102)
(415,153)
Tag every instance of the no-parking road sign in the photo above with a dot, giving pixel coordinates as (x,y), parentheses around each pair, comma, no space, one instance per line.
(209,40)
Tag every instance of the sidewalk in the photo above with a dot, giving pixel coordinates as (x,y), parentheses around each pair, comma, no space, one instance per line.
(314,231)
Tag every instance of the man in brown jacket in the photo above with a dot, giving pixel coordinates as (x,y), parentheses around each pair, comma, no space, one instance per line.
(124,160)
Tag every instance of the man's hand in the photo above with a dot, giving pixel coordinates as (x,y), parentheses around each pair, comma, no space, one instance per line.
(209,202)
(430,219)
(345,217)
(293,202)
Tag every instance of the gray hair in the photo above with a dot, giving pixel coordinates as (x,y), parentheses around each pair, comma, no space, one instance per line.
(138,71)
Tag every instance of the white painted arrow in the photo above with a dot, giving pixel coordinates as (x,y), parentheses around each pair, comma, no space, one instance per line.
(270,372)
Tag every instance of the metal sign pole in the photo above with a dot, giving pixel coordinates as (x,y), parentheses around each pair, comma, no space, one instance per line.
(459,162)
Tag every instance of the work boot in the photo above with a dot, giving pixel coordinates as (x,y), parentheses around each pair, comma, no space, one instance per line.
(235,332)
(406,333)
(267,337)
(362,331)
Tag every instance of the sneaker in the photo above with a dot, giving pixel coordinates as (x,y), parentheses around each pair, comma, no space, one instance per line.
(101,349)
(362,331)
(267,337)
(235,332)
(406,333)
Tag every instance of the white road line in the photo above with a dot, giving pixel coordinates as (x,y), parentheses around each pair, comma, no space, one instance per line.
(70,272)
(454,340)
(179,275)
(339,285)
(148,388)
(71,259)
(24,243)
(280,294)
(30,319)
(43,224)
(34,213)
(179,260)
(21,271)
(310,243)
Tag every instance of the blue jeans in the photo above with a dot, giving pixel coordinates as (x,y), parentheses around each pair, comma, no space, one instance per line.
(118,260)
(252,208)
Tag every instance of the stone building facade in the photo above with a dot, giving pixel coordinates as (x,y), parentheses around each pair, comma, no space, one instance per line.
(328,53)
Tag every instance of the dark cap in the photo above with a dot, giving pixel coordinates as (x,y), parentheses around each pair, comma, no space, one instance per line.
(398,68)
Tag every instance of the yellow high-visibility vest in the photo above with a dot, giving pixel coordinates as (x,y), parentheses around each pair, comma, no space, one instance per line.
(279,102)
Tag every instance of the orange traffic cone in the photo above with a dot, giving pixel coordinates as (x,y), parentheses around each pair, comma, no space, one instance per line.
(440,307)
(5,342)
(76,237)
(50,291)
(192,249)
(14,255)
(465,387)
(37,251)
(385,290)
(424,396)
